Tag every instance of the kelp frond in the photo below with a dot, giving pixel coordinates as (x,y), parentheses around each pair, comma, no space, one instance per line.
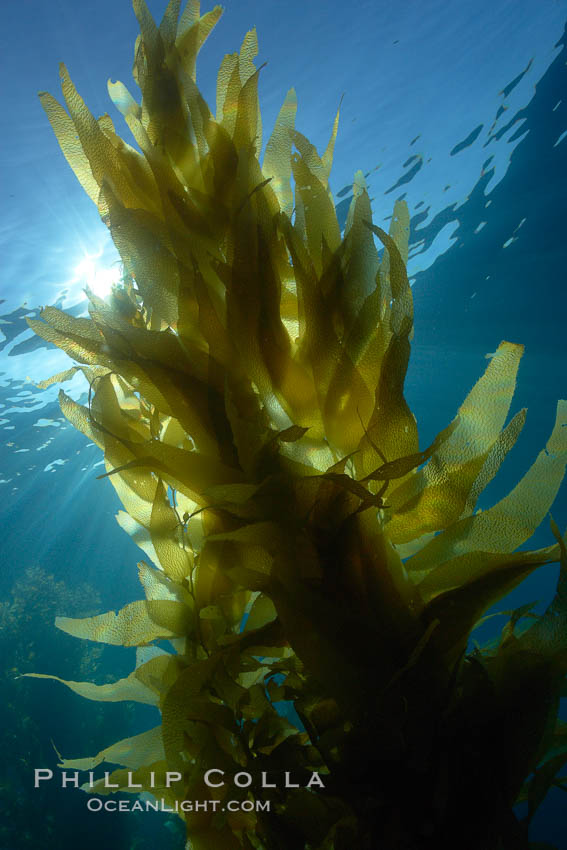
(303,549)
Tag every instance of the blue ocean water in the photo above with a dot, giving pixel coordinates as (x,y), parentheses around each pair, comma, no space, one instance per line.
(458,107)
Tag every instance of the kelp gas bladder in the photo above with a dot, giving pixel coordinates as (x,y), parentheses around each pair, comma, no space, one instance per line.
(316,573)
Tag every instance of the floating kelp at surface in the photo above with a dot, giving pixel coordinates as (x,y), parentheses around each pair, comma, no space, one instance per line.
(247,391)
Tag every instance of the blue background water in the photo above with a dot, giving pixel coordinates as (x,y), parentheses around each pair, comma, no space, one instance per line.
(456,106)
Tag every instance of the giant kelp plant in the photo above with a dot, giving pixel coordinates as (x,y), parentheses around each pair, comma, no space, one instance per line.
(316,572)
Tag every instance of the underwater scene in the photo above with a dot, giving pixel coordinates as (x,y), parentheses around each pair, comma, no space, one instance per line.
(283,420)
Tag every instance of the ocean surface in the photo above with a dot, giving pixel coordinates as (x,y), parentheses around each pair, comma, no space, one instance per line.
(460,108)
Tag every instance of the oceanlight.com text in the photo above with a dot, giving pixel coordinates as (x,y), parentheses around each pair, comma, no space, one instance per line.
(95,804)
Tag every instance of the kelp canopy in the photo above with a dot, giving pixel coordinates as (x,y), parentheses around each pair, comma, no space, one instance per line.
(316,572)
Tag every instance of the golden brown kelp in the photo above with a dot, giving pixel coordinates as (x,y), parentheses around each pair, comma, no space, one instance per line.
(247,391)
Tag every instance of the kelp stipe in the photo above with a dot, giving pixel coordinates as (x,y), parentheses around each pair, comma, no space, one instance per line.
(247,391)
